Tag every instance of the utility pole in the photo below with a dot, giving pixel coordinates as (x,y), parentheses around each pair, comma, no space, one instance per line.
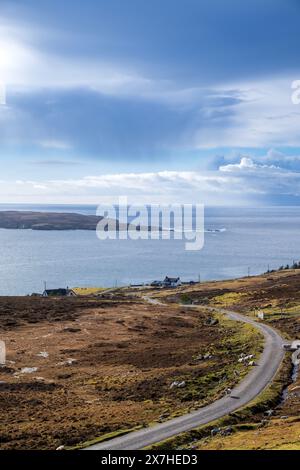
(45,285)
(248,272)
(199,278)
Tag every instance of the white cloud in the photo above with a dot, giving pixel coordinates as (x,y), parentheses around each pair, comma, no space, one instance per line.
(26,67)
(243,114)
(160,187)
(233,184)
(246,164)
(264,117)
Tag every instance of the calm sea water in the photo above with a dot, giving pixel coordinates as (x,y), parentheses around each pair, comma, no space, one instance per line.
(253,238)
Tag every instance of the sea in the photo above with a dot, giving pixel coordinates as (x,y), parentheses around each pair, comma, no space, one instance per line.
(237,242)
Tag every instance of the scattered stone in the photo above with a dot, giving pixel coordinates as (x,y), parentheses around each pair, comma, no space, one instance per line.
(269,412)
(60,448)
(207,356)
(174,384)
(43,354)
(28,370)
(68,362)
(178,384)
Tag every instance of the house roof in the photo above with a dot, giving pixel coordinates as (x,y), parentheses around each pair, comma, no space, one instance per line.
(58,291)
(171,279)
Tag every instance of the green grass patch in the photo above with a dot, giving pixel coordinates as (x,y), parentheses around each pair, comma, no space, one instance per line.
(89,290)
(228,299)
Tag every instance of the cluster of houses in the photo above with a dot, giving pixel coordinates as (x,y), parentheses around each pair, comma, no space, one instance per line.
(167,282)
(171,282)
(66,292)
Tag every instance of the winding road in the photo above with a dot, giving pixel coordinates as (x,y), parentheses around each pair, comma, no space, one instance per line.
(254,383)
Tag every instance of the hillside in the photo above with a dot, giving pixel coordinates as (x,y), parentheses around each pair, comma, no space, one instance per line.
(273,420)
(95,366)
(87,367)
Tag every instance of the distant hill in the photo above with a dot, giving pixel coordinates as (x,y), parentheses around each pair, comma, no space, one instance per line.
(52,221)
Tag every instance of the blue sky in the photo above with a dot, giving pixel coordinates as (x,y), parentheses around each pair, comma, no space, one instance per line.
(174,101)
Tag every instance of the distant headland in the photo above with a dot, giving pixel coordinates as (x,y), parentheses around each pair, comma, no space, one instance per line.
(52,221)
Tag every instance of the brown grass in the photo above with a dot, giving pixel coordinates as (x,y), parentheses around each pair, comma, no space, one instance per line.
(109,367)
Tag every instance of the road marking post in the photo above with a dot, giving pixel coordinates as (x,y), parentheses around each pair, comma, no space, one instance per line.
(2,353)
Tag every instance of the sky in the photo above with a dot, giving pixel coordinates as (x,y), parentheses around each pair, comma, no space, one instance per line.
(162,101)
